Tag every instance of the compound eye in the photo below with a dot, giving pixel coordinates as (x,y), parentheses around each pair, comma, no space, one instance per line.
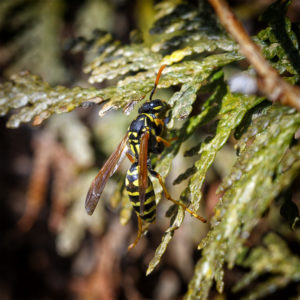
(156,103)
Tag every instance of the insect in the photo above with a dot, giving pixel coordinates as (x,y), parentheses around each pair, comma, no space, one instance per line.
(142,139)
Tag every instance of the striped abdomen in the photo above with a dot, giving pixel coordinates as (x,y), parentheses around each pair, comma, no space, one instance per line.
(132,187)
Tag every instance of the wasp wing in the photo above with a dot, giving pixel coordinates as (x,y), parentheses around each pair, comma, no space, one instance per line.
(143,170)
(108,169)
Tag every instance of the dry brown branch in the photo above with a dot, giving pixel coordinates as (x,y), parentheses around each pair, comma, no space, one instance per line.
(48,155)
(64,173)
(105,280)
(43,147)
(269,81)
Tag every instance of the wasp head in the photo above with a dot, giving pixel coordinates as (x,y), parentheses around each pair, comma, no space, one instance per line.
(156,107)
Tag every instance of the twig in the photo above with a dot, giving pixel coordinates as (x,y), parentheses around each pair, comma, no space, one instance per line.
(269,81)
(43,148)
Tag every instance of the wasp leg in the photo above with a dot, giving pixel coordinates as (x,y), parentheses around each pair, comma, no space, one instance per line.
(165,142)
(168,196)
(175,138)
(130,157)
(159,122)
(140,231)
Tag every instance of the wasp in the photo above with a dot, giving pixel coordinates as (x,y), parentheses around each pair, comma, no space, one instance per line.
(143,138)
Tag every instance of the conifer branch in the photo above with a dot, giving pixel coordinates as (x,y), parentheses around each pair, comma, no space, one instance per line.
(269,81)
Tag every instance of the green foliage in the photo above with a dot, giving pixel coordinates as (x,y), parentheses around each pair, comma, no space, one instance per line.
(36,27)
(281,46)
(196,51)
(116,59)
(254,182)
(35,98)
(275,258)
(230,109)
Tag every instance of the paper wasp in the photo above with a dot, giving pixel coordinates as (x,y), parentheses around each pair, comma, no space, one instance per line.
(142,139)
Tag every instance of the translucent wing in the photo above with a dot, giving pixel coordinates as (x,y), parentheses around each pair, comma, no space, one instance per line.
(143,170)
(108,169)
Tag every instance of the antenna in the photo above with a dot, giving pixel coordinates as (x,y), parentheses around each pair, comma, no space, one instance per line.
(156,81)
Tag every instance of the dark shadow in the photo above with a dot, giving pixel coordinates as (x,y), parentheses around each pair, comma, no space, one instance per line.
(275,17)
(247,120)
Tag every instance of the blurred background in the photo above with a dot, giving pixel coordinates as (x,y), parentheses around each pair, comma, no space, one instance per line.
(49,247)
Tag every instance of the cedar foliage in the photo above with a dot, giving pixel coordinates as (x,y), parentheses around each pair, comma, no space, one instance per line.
(197,51)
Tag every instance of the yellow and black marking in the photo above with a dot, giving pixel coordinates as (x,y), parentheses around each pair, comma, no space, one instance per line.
(144,137)
(150,121)
(146,122)
(132,186)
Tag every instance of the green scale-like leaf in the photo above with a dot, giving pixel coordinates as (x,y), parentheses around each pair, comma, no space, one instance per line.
(233,109)
(246,198)
(188,30)
(182,101)
(229,105)
(164,164)
(35,46)
(114,60)
(197,43)
(36,98)
(97,49)
(193,46)
(122,61)
(191,74)
(280,34)
(274,258)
